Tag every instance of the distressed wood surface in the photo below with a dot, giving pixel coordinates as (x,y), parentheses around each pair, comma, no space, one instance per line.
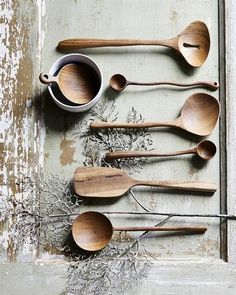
(19,136)
(230,123)
(167,277)
(29,27)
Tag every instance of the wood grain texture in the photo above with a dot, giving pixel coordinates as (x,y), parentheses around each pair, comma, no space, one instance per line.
(206,150)
(118,83)
(199,116)
(193,43)
(92,231)
(105,182)
(76,81)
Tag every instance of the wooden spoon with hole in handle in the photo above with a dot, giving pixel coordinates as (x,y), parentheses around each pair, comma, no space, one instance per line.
(118,83)
(92,231)
(205,150)
(103,182)
(193,43)
(76,82)
(198,116)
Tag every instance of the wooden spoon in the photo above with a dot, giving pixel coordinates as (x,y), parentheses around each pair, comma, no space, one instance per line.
(206,150)
(103,182)
(76,82)
(199,116)
(118,83)
(92,231)
(193,43)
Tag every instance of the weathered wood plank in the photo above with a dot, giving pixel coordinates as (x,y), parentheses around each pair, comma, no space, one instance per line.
(230,59)
(19,136)
(166,277)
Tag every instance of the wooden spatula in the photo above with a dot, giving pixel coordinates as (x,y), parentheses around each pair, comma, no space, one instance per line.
(102,182)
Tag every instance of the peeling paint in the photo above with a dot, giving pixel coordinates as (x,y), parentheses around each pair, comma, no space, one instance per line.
(67,152)
(16,99)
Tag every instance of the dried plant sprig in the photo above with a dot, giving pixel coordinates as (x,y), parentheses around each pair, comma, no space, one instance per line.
(97,142)
(112,271)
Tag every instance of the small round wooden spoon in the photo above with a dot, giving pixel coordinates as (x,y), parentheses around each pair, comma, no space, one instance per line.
(193,43)
(76,82)
(198,116)
(106,182)
(92,231)
(118,83)
(206,150)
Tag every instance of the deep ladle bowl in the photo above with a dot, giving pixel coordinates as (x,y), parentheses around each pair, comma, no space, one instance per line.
(193,43)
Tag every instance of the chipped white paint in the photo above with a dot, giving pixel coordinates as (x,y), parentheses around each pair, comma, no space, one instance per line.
(15,108)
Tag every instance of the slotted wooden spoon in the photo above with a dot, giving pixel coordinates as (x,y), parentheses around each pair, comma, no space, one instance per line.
(103,182)
(193,43)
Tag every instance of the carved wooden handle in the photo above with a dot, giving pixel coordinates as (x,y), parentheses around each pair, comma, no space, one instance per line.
(105,125)
(133,154)
(188,229)
(47,79)
(188,186)
(70,44)
(212,85)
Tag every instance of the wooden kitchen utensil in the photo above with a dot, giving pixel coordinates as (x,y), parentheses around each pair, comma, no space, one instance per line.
(193,43)
(92,231)
(118,83)
(76,81)
(206,150)
(103,182)
(199,116)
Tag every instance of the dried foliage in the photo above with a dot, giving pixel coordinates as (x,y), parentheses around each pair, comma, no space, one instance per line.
(44,214)
(112,271)
(33,219)
(97,142)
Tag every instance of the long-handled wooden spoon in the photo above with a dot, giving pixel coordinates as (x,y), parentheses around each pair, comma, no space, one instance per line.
(103,182)
(118,83)
(92,231)
(76,82)
(206,150)
(199,116)
(193,43)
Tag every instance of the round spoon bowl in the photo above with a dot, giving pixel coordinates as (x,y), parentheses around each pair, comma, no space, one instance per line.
(78,83)
(206,150)
(194,43)
(118,82)
(200,114)
(92,231)
(59,97)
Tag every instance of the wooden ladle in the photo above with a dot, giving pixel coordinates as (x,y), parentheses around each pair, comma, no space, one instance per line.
(193,43)
(92,231)
(103,182)
(76,82)
(206,150)
(198,116)
(118,83)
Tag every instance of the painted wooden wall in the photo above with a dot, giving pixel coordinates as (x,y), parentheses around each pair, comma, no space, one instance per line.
(39,138)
